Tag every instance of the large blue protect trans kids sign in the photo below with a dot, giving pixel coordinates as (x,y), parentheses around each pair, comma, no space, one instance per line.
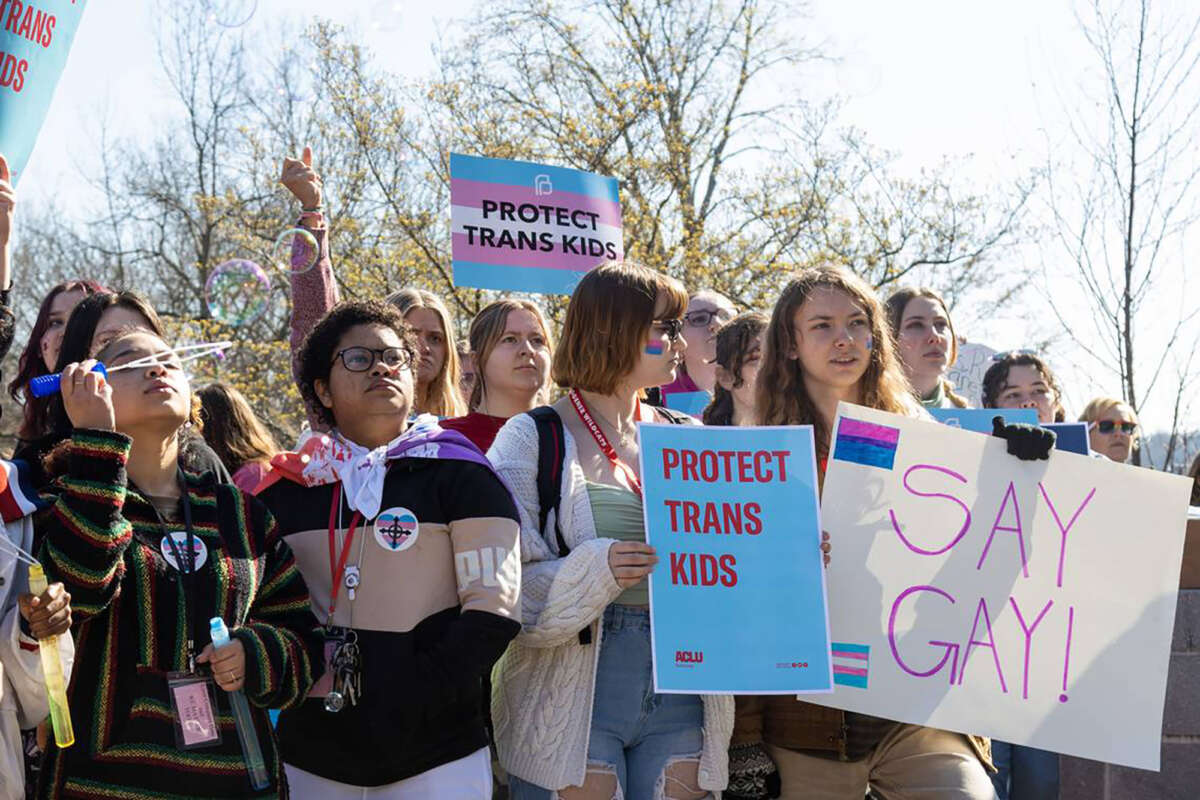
(737,600)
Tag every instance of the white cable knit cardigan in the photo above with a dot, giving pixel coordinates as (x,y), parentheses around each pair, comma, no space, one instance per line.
(543,686)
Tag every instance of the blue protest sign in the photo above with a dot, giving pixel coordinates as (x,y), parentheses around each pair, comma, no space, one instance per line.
(1072,436)
(692,403)
(980,419)
(34,43)
(737,601)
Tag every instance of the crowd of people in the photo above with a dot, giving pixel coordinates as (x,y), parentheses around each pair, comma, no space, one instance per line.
(442,587)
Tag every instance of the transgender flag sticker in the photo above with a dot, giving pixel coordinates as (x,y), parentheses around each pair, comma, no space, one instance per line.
(397,529)
(851,663)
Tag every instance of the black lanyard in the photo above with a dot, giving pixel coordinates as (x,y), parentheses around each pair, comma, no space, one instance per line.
(187,578)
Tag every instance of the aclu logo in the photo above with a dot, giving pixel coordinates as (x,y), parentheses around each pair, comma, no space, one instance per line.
(688,658)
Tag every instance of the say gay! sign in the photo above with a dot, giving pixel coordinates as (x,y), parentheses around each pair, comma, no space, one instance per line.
(1031,601)
(525,227)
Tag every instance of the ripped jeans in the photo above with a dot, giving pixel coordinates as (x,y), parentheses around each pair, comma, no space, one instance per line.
(642,745)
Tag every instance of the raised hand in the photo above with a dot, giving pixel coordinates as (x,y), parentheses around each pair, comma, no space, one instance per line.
(302,180)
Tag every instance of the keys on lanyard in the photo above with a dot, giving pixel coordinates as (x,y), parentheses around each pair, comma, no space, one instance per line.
(346,666)
(345,663)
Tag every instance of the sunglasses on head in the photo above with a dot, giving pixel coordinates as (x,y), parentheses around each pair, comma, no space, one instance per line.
(1108,426)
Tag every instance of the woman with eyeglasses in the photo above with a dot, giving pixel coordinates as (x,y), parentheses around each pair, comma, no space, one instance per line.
(1112,428)
(696,377)
(1021,379)
(926,344)
(573,704)
(408,542)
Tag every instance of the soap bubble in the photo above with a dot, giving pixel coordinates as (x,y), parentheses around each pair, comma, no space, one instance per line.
(295,250)
(237,292)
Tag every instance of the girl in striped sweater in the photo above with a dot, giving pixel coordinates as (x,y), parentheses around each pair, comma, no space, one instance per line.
(150,553)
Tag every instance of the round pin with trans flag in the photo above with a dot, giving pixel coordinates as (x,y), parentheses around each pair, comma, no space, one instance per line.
(396,529)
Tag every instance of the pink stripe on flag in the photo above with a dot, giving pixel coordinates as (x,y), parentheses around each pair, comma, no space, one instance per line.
(473,193)
(844,654)
(838,669)
(507,256)
(868,430)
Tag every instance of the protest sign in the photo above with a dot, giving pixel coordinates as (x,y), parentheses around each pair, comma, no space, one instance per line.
(980,419)
(967,371)
(692,403)
(1031,601)
(35,38)
(737,601)
(529,227)
(1070,436)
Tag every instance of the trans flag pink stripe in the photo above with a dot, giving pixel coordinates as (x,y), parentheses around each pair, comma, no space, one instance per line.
(472,194)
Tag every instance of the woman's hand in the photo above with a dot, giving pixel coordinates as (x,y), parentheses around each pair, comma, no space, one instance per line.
(48,614)
(630,562)
(228,664)
(826,547)
(302,180)
(87,397)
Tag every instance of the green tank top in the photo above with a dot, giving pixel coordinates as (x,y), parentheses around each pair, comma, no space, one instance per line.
(617,514)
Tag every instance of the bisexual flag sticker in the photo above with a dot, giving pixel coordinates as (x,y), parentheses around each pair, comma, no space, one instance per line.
(866,443)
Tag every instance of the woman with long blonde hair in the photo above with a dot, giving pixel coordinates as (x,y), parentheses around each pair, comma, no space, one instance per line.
(511,350)
(437,364)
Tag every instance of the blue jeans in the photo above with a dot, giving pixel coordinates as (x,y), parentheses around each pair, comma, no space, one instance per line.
(635,734)
(1024,773)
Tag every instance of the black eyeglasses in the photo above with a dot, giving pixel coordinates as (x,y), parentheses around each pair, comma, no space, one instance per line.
(1108,425)
(703,317)
(672,328)
(361,359)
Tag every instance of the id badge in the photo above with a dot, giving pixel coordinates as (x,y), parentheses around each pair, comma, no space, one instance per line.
(193,707)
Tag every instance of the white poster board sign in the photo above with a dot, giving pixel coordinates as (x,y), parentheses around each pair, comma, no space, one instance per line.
(1030,601)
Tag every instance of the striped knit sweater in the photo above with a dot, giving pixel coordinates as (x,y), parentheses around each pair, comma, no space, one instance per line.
(102,539)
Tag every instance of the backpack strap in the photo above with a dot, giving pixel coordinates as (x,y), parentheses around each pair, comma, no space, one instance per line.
(675,417)
(552,451)
(551,454)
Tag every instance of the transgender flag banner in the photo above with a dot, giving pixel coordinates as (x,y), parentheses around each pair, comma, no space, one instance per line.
(518,226)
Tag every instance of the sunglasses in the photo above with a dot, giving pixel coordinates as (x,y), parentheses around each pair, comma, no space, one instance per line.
(1108,426)
(703,317)
(671,328)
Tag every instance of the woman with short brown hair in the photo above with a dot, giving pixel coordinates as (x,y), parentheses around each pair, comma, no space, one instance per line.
(571,722)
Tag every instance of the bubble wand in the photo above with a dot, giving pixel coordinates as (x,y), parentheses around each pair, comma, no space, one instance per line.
(44,385)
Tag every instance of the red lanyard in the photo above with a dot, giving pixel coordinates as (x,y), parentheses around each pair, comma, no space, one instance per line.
(336,571)
(625,476)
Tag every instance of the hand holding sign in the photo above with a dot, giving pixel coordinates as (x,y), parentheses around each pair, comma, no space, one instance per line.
(302,180)
(630,562)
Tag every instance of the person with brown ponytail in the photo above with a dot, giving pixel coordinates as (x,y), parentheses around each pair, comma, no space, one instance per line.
(926,344)
(739,345)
